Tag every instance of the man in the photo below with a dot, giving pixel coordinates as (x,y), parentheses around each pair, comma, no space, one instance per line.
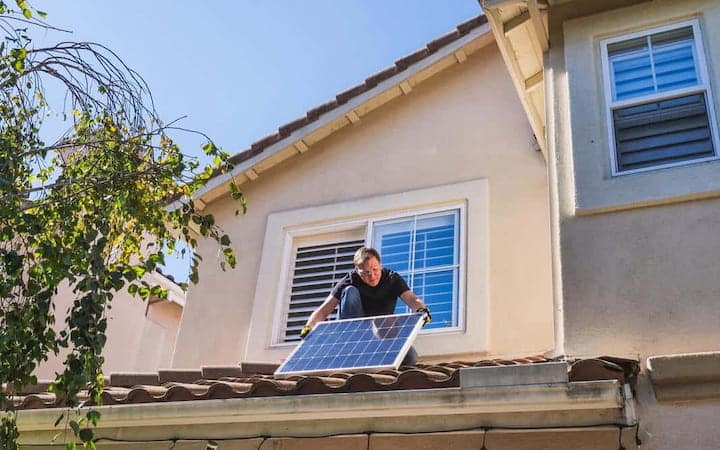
(369,290)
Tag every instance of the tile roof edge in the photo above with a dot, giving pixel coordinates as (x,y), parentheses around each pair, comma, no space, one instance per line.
(256,152)
(284,410)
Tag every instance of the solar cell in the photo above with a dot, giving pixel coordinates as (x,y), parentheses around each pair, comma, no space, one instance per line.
(354,345)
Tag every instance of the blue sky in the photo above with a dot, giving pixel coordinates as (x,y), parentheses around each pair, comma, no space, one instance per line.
(239,69)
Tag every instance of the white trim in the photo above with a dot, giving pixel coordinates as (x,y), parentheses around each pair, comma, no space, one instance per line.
(395,81)
(290,247)
(703,86)
(459,309)
(561,405)
(474,248)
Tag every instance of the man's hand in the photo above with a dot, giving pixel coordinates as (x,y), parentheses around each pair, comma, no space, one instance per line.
(305,331)
(428,317)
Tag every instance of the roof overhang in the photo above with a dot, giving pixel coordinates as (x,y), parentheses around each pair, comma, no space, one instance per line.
(537,406)
(521,31)
(350,113)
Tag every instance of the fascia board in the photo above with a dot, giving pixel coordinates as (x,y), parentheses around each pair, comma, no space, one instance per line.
(547,406)
(339,112)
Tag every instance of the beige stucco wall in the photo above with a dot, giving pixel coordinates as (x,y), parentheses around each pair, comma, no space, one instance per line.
(648,273)
(140,338)
(464,124)
(637,254)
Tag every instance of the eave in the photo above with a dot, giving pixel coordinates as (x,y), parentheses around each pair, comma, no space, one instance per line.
(349,108)
(538,406)
(520,28)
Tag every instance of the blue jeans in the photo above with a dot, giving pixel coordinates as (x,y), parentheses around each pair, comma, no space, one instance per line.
(351,308)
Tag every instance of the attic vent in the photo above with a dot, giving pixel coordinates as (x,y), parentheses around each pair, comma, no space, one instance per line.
(317,269)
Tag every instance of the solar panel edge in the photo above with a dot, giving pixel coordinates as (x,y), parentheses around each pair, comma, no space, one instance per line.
(390,330)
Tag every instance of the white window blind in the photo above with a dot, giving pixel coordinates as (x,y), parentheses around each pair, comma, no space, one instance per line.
(659,100)
(316,270)
(424,249)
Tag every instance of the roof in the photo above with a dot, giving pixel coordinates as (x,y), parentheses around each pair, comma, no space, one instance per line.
(401,70)
(255,380)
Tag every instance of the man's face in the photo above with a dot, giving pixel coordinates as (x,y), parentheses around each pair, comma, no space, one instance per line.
(370,272)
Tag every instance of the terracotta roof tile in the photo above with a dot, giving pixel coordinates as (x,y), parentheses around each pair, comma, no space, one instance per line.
(218,372)
(470,24)
(179,375)
(412,58)
(343,97)
(288,128)
(128,379)
(375,79)
(444,40)
(255,380)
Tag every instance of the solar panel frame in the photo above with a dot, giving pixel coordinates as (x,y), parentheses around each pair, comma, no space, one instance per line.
(317,336)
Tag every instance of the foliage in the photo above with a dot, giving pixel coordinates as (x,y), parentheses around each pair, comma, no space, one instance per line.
(93,211)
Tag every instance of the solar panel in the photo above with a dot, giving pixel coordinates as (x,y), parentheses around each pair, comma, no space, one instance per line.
(354,345)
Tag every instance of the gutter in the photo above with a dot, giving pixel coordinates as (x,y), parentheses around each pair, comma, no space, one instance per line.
(521,406)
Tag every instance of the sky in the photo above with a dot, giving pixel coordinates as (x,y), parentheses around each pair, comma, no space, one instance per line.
(236,70)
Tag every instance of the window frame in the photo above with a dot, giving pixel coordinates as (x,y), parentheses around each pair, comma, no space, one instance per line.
(365,226)
(703,87)
(462,267)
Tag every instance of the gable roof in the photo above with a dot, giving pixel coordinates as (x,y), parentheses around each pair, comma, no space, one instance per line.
(348,107)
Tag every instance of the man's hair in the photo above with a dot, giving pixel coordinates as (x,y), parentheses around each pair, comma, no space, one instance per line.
(363,254)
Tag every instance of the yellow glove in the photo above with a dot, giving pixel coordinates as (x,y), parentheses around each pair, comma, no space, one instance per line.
(305,331)
(428,317)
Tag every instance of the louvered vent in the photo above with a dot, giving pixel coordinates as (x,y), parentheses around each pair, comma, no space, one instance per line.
(317,269)
(662,132)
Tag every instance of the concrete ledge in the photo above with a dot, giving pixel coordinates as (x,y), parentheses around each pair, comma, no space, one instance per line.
(517,375)
(687,376)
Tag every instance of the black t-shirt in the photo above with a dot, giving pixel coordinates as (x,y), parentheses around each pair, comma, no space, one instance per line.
(378,300)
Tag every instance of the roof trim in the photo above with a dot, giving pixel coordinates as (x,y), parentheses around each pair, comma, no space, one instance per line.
(352,105)
(583,404)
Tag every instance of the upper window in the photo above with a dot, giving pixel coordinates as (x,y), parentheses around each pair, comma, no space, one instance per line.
(424,248)
(660,105)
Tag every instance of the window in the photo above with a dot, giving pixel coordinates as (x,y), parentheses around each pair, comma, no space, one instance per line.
(317,269)
(423,247)
(659,101)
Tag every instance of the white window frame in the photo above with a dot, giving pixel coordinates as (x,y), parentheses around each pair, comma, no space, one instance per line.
(367,224)
(702,87)
(462,230)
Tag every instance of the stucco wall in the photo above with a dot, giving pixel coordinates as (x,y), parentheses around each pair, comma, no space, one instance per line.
(464,124)
(637,253)
(136,341)
(648,274)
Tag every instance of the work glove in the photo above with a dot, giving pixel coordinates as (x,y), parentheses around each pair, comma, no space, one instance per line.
(305,331)
(428,317)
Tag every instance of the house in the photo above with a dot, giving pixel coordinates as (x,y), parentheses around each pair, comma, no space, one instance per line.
(141,335)
(565,236)
(630,126)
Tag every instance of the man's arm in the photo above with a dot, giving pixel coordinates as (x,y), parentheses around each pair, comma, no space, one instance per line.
(416,305)
(413,301)
(323,311)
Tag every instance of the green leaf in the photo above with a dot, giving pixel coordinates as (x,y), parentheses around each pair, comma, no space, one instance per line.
(75,426)
(93,416)
(86,435)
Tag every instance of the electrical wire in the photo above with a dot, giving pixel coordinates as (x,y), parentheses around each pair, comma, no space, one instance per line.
(265,438)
